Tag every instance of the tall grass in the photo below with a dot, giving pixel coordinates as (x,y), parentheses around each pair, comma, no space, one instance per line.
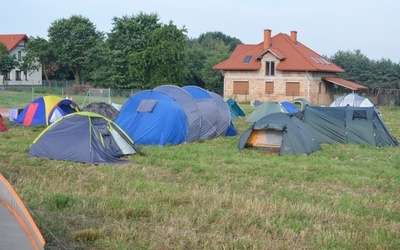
(208,195)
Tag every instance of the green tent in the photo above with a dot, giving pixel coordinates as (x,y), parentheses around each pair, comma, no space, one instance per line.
(234,108)
(279,133)
(300,103)
(359,125)
(265,109)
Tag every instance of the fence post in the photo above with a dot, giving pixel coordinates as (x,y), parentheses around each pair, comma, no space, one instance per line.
(33,92)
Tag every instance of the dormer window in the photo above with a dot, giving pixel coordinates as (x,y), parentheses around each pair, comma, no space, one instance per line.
(269,68)
(247,59)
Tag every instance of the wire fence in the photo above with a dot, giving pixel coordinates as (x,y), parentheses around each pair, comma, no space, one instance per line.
(82,94)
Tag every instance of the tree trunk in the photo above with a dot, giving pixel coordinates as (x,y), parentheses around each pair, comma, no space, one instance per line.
(46,75)
(77,76)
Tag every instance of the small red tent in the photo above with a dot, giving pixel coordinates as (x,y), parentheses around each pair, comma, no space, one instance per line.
(2,125)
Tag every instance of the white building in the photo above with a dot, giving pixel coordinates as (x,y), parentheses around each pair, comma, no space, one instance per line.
(15,43)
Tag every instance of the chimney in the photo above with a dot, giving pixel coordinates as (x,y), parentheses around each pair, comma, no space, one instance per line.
(267,39)
(293,36)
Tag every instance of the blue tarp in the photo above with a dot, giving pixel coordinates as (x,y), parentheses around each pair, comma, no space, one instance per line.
(289,107)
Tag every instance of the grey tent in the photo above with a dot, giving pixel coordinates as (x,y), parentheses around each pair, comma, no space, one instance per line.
(300,103)
(279,133)
(189,107)
(214,112)
(359,125)
(103,109)
(265,109)
(84,137)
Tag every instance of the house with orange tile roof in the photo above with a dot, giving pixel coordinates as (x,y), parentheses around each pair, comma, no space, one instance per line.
(281,69)
(15,44)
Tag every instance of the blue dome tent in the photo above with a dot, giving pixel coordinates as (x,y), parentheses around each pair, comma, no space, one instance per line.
(153,118)
(169,114)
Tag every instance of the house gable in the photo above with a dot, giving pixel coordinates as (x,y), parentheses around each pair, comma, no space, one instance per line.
(13,40)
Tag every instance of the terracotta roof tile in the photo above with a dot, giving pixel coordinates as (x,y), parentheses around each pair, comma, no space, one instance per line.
(236,60)
(12,40)
(294,56)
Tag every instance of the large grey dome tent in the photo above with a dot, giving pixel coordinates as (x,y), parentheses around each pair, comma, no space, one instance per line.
(189,107)
(215,113)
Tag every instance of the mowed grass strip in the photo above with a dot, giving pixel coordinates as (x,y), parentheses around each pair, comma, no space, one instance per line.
(209,195)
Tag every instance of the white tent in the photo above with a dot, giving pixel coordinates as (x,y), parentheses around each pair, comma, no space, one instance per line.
(353,100)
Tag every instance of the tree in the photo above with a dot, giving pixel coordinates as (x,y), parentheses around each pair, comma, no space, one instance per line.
(71,39)
(356,65)
(205,52)
(39,52)
(386,74)
(360,69)
(163,60)
(129,34)
(7,62)
(213,79)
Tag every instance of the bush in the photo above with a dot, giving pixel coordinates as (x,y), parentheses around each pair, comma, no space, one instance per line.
(78,89)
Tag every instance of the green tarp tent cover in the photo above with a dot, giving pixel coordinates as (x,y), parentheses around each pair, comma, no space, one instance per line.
(359,125)
(279,133)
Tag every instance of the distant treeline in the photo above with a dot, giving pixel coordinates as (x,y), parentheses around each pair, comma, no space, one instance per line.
(140,52)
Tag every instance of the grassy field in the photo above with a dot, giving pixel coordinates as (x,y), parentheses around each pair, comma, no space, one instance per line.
(208,195)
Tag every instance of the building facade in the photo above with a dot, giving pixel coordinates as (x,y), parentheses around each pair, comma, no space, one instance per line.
(15,43)
(281,69)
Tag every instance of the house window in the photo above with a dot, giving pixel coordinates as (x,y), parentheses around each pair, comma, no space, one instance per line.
(240,88)
(269,68)
(19,56)
(8,76)
(18,75)
(247,59)
(269,88)
(292,89)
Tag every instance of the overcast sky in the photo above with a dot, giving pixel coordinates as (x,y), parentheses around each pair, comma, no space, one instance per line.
(325,26)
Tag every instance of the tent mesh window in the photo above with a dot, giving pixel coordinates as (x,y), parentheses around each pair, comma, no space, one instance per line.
(360,114)
(146,105)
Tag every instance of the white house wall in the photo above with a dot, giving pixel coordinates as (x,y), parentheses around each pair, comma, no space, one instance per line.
(33,78)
